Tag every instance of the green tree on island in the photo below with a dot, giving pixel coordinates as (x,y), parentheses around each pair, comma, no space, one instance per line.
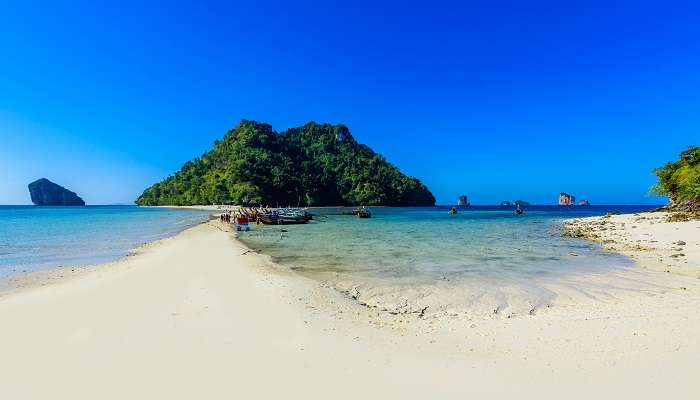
(680,180)
(312,165)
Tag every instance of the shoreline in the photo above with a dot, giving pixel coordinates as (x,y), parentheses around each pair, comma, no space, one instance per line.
(395,300)
(187,314)
(411,301)
(24,281)
(12,282)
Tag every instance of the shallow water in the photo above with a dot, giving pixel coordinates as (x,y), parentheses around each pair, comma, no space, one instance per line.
(36,238)
(428,243)
(480,248)
(402,260)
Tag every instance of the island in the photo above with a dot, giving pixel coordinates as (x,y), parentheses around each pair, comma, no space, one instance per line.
(312,165)
(521,203)
(46,193)
(463,200)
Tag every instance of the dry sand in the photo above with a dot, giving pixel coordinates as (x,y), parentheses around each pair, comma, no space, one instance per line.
(200,316)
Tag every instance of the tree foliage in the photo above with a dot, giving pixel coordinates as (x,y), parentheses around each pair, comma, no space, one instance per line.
(312,165)
(680,180)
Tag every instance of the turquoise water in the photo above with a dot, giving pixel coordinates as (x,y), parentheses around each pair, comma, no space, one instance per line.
(402,259)
(485,252)
(35,238)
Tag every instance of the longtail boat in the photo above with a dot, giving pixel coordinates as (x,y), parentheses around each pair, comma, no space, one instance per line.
(280,216)
(274,218)
(364,213)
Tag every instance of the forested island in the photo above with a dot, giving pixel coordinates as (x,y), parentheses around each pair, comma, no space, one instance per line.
(312,165)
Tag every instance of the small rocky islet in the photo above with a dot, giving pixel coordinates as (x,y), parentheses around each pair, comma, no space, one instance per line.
(46,193)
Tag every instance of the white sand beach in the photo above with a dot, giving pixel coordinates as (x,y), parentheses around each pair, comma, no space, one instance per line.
(648,238)
(201,316)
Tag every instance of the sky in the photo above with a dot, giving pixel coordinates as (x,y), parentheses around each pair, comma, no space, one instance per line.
(496,100)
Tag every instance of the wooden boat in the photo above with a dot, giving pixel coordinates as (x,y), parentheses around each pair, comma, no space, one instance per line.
(280,216)
(294,213)
(364,213)
(275,219)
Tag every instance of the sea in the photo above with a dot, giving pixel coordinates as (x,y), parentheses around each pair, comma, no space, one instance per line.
(398,249)
(431,243)
(39,238)
(403,259)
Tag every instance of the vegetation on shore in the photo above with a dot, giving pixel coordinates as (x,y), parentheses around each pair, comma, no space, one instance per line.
(312,165)
(680,181)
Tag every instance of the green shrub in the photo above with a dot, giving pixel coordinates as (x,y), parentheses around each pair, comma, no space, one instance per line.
(680,180)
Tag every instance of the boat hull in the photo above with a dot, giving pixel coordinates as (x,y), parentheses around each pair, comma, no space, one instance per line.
(281,221)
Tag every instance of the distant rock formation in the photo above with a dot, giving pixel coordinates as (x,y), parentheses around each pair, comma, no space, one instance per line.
(566,199)
(463,201)
(521,203)
(584,203)
(505,203)
(46,193)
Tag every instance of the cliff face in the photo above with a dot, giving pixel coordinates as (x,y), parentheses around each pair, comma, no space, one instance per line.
(46,193)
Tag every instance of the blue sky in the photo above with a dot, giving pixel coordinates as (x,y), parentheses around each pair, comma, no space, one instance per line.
(496,100)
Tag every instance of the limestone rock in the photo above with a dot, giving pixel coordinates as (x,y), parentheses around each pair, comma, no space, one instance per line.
(46,193)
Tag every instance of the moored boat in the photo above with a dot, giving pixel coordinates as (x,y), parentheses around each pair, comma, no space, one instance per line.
(294,213)
(280,216)
(364,213)
(273,218)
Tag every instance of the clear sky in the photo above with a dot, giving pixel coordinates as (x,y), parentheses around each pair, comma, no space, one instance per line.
(496,100)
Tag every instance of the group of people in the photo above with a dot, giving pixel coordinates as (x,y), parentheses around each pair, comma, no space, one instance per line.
(225,218)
